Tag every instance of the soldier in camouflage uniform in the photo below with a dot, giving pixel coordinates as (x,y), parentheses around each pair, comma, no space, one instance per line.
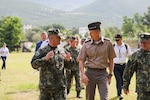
(51,61)
(67,42)
(74,71)
(67,71)
(139,62)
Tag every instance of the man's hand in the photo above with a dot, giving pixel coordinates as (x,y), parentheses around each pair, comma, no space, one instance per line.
(126,91)
(49,55)
(109,79)
(68,56)
(85,79)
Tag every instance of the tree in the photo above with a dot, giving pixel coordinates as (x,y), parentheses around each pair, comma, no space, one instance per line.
(128,27)
(110,32)
(11,31)
(133,27)
(46,27)
(33,35)
(58,26)
(146,20)
(138,26)
(75,30)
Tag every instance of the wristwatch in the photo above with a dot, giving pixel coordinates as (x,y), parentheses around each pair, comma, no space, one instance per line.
(110,75)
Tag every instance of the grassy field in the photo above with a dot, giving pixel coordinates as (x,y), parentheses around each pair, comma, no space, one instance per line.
(20,82)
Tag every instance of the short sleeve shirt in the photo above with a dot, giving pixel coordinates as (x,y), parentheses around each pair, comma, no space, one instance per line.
(121,53)
(4,51)
(97,55)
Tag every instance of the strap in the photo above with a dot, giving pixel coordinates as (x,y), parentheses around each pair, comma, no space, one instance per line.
(126,46)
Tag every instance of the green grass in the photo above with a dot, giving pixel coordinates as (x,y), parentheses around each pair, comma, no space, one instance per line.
(20,82)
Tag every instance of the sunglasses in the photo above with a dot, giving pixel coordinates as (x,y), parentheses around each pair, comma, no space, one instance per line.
(117,39)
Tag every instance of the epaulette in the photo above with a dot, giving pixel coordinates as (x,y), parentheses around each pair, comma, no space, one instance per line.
(88,40)
(107,39)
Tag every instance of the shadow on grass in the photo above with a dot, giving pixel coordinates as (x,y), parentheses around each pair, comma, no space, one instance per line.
(70,98)
(8,93)
(114,98)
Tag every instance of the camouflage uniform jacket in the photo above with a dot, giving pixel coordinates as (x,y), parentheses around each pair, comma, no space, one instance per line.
(74,54)
(139,62)
(52,71)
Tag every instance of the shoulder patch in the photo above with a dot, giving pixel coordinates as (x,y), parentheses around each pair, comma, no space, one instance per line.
(88,40)
(107,39)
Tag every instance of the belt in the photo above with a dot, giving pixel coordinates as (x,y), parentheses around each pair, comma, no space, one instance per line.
(97,69)
(121,64)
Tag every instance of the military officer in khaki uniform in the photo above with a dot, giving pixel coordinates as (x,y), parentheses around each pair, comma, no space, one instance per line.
(98,53)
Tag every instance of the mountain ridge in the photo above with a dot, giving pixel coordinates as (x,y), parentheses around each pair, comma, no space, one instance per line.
(110,13)
(58,4)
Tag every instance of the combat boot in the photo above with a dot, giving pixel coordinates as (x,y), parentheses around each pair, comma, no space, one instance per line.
(68,91)
(78,94)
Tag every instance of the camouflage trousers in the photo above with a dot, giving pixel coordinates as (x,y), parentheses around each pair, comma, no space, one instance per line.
(52,95)
(69,76)
(143,96)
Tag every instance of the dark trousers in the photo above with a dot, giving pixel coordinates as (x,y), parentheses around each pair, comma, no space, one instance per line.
(118,72)
(4,62)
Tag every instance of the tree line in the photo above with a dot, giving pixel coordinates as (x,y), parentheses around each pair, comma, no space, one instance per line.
(131,27)
(11,29)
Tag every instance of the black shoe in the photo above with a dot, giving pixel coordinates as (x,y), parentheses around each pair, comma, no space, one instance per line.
(120,97)
(78,95)
(68,91)
(83,88)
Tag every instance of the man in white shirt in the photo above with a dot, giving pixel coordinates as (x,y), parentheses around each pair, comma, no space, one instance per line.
(122,51)
(42,41)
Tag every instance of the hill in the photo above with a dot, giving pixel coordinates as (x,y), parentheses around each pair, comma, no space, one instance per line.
(110,13)
(66,5)
(29,12)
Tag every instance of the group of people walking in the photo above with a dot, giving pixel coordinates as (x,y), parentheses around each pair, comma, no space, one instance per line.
(90,63)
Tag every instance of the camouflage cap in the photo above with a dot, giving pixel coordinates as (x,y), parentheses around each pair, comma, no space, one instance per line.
(68,37)
(144,37)
(83,39)
(72,38)
(54,32)
(94,25)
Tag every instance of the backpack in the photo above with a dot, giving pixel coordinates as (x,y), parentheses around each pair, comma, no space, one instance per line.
(125,47)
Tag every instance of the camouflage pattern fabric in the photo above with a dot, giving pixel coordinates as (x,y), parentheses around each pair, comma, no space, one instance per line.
(143,96)
(74,54)
(69,77)
(52,71)
(74,70)
(48,95)
(139,62)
